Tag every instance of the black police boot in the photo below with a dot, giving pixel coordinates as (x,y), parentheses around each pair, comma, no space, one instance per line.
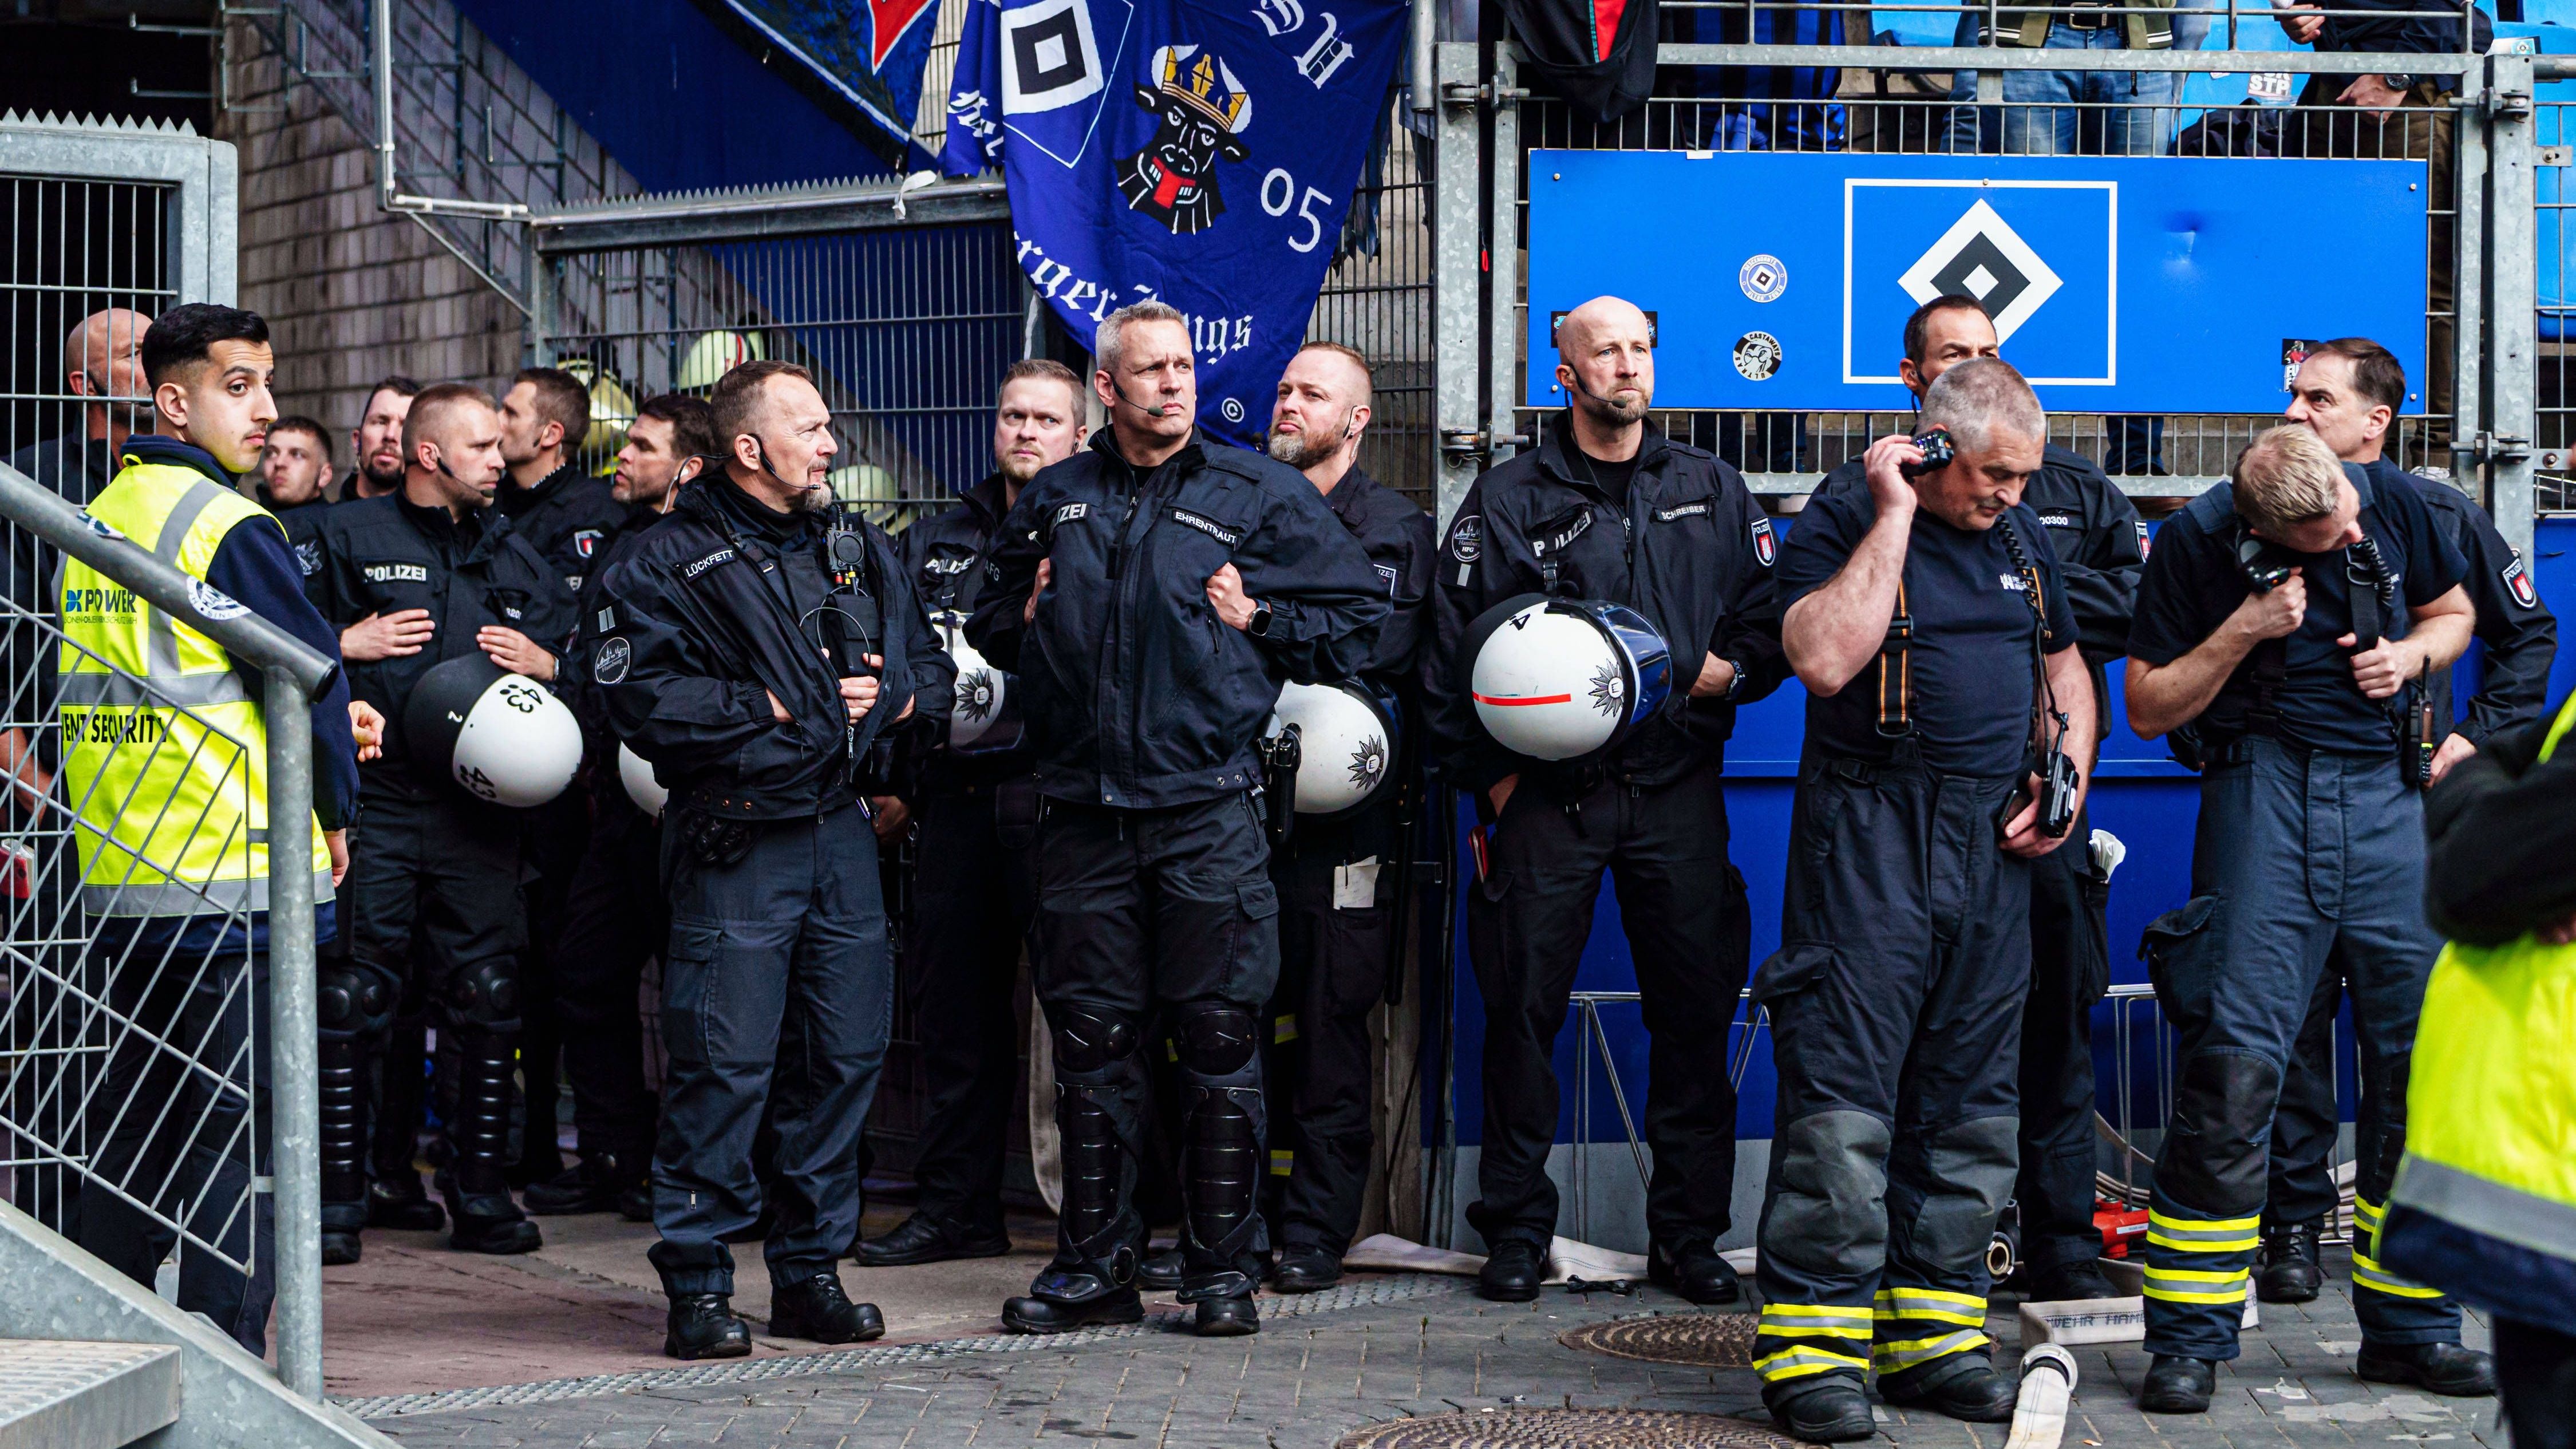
(591,1185)
(815,1308)
(1093,1277)
(2289,1271)
(1832,1411)
(400,1202)
(1160,1273)
(2071,1283)
(341,1244)
(2178,1385)
(635,1204)
(922,1238)
(1694,1271)
(1227,1317)
(483,1218)
(1512,1272)
(1305,1268)
(2442,1368)
(703,1325)
(1963,1386)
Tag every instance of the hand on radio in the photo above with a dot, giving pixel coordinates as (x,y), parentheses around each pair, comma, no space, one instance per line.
(2274,615)
(1886,462)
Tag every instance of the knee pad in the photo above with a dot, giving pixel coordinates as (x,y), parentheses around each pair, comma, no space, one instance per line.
(1221,1165)
(485,994)
(351,1001)
(1217,1040)
(1826,1212)
(2218,1145)
(1970,1169)
(1095,1167)
(1088,1039)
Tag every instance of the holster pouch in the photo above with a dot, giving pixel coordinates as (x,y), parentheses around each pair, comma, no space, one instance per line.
(716,839)
(1015,812)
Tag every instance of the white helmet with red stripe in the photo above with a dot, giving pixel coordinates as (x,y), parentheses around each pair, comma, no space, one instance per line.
(1559,679)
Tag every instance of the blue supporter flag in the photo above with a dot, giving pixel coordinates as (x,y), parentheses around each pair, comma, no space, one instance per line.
(868,51)
(1173,149)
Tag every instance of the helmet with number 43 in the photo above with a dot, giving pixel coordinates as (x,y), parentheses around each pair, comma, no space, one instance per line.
(498,736)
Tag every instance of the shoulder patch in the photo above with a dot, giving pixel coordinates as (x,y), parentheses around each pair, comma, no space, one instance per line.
(615,654)
(691,571)
(585,541)
(1068,513)
(1766,544)
(1467,538)
(308,557)
(2517,582)
(2146,544)
(213,602)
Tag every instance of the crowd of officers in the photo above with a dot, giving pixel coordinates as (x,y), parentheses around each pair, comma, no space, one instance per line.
(787,671)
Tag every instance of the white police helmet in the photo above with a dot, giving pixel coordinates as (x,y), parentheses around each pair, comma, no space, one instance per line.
(636,774)
(983,717)
(1345,745)
(500,737)
(1559,679)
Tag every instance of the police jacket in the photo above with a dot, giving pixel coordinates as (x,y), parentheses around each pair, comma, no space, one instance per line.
(2101,547)
(567,518)
(945,557)
(381,555)
(1138,696)
(724,603)
(2518,634)
(1397,537)
(1691,551)
(579,690)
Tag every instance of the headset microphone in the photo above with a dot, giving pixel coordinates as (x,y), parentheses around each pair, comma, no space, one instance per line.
(1158,410)
(762,449)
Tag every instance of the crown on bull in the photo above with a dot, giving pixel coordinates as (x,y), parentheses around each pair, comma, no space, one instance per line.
(1205,84)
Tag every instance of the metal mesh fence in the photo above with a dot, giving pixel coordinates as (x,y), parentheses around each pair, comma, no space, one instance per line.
(2554,486)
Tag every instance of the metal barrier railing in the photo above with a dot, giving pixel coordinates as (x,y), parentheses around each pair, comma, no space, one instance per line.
(146,1072)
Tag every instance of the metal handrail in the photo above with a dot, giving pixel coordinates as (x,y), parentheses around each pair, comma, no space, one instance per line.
(293,674)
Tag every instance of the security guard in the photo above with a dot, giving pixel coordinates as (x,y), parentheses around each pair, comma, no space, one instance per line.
(2348,393)
(613,912)
(755,647)
(2484,1205)
(975,890)
(1339,922)
(193,898)
(568,517)
(1606,508)
(1949,720)
(435,866)
(2283,616)
(1150,595)
(2100,545)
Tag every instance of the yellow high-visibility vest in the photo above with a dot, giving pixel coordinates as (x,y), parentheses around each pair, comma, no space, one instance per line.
(165,751)
(2491,1104)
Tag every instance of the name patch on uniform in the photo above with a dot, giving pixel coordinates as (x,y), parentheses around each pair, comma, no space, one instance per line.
(614,655)
(1387,572)
(944,564)
(2517,582)
(585,541)
(308,557)
(1766,545)
(2057,520)
(1687,510)
(691,571)
(1068,513)
(1209,526)
(396,573)
(1558,542)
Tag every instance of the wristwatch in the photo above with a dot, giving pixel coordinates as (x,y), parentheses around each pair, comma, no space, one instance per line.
(1734,680)
(1260,626)
(2398,82)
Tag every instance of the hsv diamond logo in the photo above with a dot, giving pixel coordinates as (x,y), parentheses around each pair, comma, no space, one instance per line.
(1981,257)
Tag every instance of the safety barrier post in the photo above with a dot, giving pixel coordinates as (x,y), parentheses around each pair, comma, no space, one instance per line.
(1456,398)
(295,1101)
(2515,300)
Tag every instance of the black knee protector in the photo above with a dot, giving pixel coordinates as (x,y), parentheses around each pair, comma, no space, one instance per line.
(1089,1040)
(1221,1167)
(483,997)
(1218,1042)
(2218,1146)
(1095,1172)
(354,1002)
(481,1130)
(343,1135)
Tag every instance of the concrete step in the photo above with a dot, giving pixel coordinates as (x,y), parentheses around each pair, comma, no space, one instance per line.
(58,1394)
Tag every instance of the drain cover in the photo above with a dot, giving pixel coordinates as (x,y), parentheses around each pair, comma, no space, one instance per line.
(1566,1429)
(1715,1340)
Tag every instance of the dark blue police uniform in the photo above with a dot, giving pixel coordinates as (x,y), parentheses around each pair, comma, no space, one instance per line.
(1154,889)
(1896,995)
(2310,844)
(778,927)
(2520,640)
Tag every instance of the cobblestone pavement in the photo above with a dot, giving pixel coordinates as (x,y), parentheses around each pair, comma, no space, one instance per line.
(1384,1350)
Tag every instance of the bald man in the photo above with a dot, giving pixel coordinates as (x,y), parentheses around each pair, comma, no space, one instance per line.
(1606,508)
(102,361)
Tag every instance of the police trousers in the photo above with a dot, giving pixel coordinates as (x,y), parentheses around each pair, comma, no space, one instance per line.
(443,873)
(2070,969)
(614,920)
(974,906)
(1337,930)
(2302,1186)
(1896,1003)
(1682,906)
(2298,857)
(777,995)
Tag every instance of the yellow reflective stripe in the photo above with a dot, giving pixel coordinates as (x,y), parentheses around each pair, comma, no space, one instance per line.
(1907,1299)
(2367,1213)
(1934,1315)
(1818,1312)
(1793,1363)
(2558,729)
(1813,1330)
(2194,1225)
(1908,1352)
(2195,1275)
(2366,1273)
(2229,1287)
(2245,1244)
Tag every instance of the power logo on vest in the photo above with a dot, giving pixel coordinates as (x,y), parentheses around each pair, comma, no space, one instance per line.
(98,601)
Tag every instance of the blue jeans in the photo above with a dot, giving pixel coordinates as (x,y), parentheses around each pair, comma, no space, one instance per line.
(2062,112)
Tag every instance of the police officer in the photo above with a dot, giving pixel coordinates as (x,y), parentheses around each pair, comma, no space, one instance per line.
(294,468)
(1947,706)
(1606,508)
(975,892)
(1339,922)
(2283,616)
(613,911)
(1150,596)
(433,864)
(2348,393)
(2100,545)
(567,516)
(375,444)
(755,647)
